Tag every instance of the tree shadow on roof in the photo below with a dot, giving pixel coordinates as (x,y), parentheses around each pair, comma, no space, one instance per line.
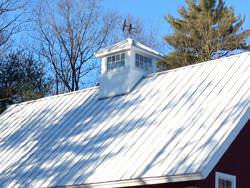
(73,141)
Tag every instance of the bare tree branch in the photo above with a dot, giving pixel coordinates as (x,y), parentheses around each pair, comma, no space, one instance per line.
(70,32)
(11,12)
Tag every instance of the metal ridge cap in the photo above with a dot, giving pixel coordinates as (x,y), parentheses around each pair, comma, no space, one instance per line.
(196,64)
(58,95)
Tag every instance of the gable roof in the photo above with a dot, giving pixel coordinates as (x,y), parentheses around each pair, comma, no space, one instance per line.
(126,45)
(174,126)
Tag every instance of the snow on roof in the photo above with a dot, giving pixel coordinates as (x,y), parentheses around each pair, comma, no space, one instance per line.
(173,126)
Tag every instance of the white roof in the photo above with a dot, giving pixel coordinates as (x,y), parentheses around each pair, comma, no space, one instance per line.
(126,45)
(173,126)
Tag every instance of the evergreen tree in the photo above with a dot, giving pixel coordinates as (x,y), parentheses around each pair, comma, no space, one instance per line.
(204,28)
(22,78)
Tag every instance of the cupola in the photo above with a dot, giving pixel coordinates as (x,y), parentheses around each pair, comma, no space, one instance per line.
(123,65)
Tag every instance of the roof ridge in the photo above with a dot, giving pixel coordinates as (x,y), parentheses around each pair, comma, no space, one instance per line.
(54,96)
(148,76)
(196,64)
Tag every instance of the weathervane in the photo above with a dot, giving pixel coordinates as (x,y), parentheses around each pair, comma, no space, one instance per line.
(127,27)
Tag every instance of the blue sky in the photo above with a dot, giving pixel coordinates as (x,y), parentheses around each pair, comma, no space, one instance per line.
(155,10)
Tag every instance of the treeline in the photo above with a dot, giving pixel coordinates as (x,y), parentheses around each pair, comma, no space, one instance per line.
(47,47)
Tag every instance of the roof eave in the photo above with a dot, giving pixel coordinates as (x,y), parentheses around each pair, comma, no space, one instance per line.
(210,165)
(154,54)
(148,49)
(107,52)
(142,181)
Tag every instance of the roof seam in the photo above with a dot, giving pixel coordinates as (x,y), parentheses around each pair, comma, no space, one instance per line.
(148,76)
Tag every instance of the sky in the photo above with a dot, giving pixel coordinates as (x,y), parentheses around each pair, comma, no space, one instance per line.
(153,11)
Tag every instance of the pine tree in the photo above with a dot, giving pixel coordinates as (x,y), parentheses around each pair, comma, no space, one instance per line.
(22,78)
(204,28)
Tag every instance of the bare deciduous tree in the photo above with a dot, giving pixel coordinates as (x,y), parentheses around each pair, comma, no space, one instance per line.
(11,12)
(71,31)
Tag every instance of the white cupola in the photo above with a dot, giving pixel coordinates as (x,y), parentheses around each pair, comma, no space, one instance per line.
(123,65)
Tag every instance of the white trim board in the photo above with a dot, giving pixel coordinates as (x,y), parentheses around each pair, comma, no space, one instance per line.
(225,146)
(223,176)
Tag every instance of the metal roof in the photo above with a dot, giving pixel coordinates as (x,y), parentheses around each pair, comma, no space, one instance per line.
(173,126)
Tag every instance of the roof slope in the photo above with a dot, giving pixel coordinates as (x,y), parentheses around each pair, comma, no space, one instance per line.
(173,126)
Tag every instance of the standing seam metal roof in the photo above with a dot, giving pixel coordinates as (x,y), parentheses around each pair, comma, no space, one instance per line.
(173,125)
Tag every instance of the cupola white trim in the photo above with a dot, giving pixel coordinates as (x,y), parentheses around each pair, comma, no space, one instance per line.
(126,45)
(123,65)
